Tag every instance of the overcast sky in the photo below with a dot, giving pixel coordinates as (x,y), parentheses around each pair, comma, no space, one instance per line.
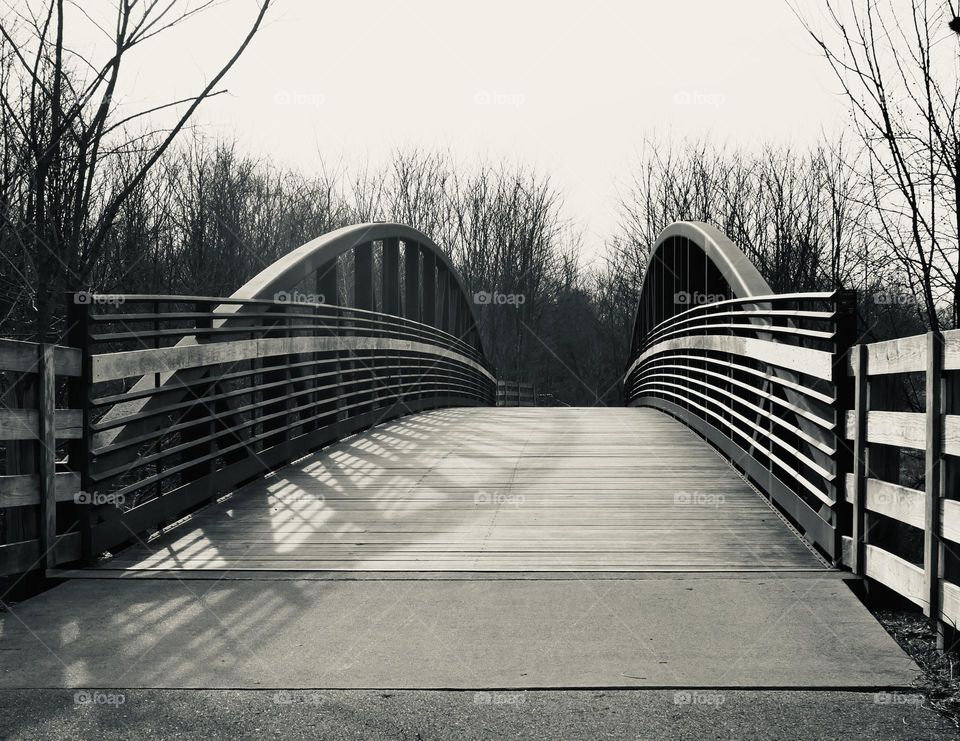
(569,87)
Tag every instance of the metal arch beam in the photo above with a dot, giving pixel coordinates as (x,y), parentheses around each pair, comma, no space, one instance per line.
(736,268)
(308,258)
(740,273)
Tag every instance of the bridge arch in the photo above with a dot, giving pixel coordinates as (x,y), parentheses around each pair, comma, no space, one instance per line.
(432,288)
(692,261)
(755,373)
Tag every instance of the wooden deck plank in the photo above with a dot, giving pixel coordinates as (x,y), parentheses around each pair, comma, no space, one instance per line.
(519,489)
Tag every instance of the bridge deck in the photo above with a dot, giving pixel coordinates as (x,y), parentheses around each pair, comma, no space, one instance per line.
(491,490)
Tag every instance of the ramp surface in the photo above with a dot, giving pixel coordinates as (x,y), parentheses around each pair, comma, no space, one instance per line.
(560,489)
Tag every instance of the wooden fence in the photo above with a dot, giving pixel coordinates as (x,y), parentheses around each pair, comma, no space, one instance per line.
(516,394)
(886,437)
(36,436)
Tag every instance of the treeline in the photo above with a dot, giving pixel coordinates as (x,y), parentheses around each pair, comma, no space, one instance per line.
(803,217)
(95,195)
(208,217)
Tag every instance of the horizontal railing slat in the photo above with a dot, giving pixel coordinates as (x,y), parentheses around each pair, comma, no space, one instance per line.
(23,424)
(898,574)
(21,490)
(817,363)
(892,500)
(22,357)
(112,366)
(26,555)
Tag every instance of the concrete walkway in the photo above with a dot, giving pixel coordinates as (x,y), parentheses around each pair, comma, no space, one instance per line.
(698,631)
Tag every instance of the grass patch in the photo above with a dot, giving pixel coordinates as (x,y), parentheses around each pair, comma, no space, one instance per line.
(940,683)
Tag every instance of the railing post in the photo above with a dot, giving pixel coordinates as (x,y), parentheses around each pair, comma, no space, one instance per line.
(199,418)
(411,281)
(391,276)
(363,276)
(429,288)
(46,450)
(453,297)
(933,462)
(443,287)
(328,282)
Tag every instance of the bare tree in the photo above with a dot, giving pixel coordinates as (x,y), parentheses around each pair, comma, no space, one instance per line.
(793,213)
(899,72)
(80,159)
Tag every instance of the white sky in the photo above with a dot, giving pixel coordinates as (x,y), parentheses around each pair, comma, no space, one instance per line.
(573,87)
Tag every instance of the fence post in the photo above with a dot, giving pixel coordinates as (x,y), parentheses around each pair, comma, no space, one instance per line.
(947,634)
(860,473)
(46,450)
(932,464)
(845,394)
(79,392)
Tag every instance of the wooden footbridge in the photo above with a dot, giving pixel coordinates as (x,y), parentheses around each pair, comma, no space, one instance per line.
(335,416)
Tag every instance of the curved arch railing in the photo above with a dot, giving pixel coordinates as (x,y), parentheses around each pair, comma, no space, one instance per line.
(191,396)
(759,375)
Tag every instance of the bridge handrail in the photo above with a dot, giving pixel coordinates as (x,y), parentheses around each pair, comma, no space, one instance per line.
(760,299)
(228,325)
(152,298)
(262,388)
(761,389)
